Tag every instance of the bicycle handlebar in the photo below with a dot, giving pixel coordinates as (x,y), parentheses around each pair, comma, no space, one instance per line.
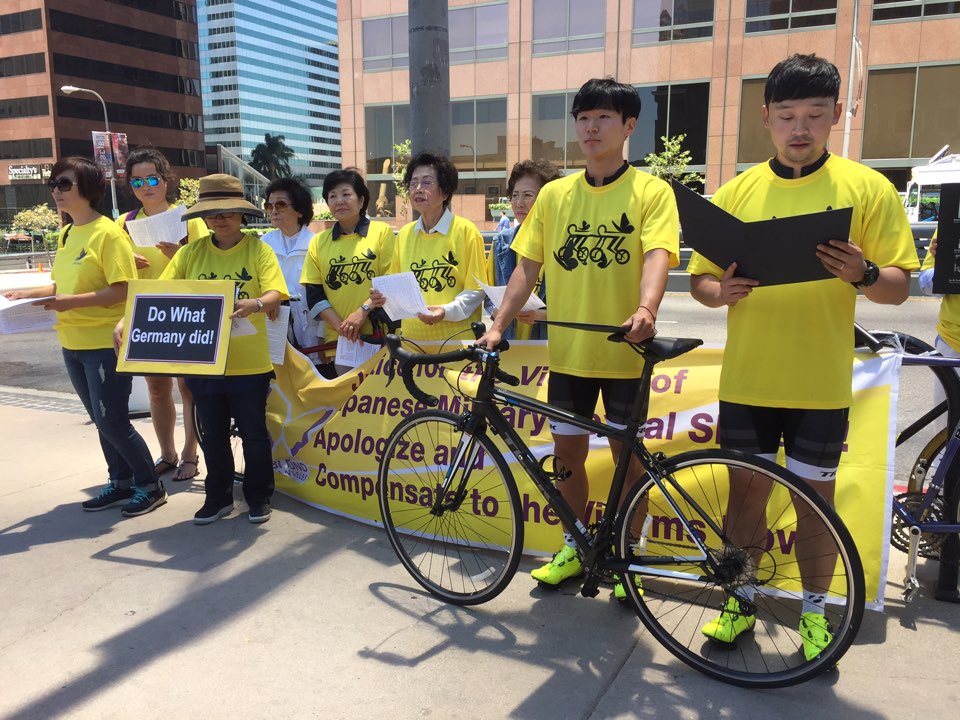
(407,360)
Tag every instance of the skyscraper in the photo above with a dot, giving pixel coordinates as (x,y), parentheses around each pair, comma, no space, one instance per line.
(272,67)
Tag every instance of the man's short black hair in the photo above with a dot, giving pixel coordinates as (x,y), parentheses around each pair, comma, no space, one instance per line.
(800,77)
(607,94)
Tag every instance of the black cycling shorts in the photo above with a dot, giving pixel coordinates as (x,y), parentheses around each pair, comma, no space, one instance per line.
(579,395)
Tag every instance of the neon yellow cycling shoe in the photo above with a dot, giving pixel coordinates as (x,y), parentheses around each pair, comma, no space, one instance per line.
(815,633)
(731,623)
(565,564)
(620,592)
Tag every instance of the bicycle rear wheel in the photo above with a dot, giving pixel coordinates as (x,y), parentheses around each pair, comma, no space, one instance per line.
(762,572)
(463,546)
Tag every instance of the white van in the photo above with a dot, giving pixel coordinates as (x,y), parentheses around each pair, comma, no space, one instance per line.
(922,200)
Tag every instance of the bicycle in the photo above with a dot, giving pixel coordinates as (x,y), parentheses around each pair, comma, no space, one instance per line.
(451,509)
(925,516)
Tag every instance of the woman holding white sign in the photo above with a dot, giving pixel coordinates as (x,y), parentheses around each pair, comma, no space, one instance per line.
(241,394)
(93,265)
(155,186)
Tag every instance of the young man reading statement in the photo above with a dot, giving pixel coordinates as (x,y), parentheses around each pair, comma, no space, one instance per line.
(787,365)
(628,221)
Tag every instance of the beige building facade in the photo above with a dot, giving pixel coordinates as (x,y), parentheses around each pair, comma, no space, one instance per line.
(699,66)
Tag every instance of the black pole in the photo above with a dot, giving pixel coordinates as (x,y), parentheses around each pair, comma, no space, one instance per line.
(429,77)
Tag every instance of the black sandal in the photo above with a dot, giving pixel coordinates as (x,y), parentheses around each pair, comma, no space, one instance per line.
(161,466)
(179,477)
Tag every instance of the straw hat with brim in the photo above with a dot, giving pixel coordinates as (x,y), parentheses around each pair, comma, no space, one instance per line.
(219,194)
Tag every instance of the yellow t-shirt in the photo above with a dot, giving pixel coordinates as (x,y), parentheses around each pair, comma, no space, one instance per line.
(791,346)
(591,241)
(522,331)
(948,321)
(253,266)
(196,229)
(95,256)
(345,267)
(445,266)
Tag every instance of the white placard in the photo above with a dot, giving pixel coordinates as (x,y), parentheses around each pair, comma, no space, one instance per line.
(277,335)
(497,292)
(241,326)
(353,354)
(404,298)
(168,227)
(26,315)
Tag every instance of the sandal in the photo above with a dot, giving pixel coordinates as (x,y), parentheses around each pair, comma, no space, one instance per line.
(161,466)
(180,475)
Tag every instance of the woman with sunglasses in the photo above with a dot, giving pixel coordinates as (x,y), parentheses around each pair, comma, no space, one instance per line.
(343,261)
(289,206)
(155,187)
(444,251)
(91,270)
(240,395)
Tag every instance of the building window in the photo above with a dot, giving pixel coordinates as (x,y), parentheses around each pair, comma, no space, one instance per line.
(667,20)
(478,135)
(554,131)
(386,126)
(81,26)
(478,33)
(902,9)
(910,112)
(24,107)
(21,22)
(671,110)
(565,26)
(28,149)
(123,74)
(774,15)
(83,109)
(754,144)
(168,8)
(22,65)
(385,43)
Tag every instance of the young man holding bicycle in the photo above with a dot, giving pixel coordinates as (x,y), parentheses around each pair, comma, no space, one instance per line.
(787,367)
(605,239)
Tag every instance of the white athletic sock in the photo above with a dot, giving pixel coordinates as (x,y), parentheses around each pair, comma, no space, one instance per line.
(569,541)
(813,602)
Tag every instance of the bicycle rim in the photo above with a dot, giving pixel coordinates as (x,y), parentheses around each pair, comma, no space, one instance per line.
(467,552)
(680,599)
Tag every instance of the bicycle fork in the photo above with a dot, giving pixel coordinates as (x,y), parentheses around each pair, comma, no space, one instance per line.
(452,492)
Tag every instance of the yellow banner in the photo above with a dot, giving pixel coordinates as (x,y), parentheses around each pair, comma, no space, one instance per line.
(329,437)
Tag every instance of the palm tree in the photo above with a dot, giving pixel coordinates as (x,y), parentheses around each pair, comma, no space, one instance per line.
(272,157)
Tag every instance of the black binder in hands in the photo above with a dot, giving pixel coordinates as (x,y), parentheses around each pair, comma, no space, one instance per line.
(773,252)
(946,265)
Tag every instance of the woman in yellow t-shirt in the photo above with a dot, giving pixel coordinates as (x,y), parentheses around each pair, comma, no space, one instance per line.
(444,251)
(341,262)
(94,262)
(241,394)
(155,186)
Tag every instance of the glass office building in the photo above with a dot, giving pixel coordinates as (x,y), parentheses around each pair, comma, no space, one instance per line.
(272,67)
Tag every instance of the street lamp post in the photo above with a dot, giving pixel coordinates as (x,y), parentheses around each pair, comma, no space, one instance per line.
(69,90)
(470,148)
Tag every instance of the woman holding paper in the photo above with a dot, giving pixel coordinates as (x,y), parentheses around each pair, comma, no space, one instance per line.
(343,260)
(523,186)
(289,205)
(241,393)
(94,262)
(444,251)
(155,185)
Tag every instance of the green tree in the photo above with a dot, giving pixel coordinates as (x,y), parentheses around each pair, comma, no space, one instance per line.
(272,157)
(671,163)
(36,220)
(189,191)
(401,158)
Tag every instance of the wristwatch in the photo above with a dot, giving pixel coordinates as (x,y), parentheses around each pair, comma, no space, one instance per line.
(259,304)
(870,275)
(366,307)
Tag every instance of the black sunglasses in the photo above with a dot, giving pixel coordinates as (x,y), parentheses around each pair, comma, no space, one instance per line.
(62,184)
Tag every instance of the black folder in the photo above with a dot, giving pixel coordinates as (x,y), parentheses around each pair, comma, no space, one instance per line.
(946,266)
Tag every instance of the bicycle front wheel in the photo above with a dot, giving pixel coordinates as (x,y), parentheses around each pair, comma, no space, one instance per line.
(769,539)
(450,508)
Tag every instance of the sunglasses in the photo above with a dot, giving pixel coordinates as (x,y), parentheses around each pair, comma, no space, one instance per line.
(62,184)
(280,206)
(150,180)
(221,216)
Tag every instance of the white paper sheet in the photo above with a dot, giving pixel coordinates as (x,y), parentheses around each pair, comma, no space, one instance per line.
(18,316)
(353,354)
(277,335)
(169,227)
(496,293)
(242,326)
(404,298)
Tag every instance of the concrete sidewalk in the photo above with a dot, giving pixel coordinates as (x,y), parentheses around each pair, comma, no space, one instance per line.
(311,616)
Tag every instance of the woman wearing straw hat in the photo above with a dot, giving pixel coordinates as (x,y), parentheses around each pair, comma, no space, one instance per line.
(241,394)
